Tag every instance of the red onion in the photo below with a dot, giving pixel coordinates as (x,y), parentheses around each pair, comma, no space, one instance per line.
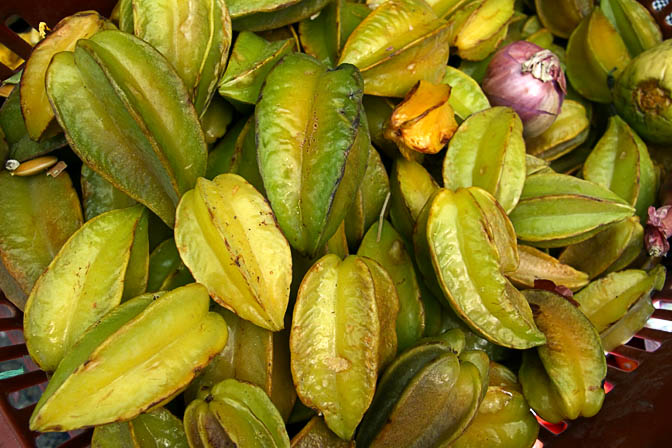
(550,285)
(659,223)
(658,230)
(528,79)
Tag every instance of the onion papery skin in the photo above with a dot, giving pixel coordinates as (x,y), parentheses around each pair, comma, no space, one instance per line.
(528,79)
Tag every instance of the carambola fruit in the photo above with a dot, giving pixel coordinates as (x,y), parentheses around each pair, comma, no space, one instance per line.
(555,210)
(199,55)
(400,43)
(253,355)
(156,429)
(136,358)
(563,379)
(235,413)
(227,236)
(152,150)
(620,161)
(311,159)
(336,338)
(37,216)
(488,151)
(35,106)
(469,246)
(427,397)
(642,95)
(504,419)
(83,282)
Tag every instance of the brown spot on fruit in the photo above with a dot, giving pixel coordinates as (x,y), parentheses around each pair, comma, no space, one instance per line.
(651,98)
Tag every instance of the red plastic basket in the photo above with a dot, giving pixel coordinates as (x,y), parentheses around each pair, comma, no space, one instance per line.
(14,431)
(639,379)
